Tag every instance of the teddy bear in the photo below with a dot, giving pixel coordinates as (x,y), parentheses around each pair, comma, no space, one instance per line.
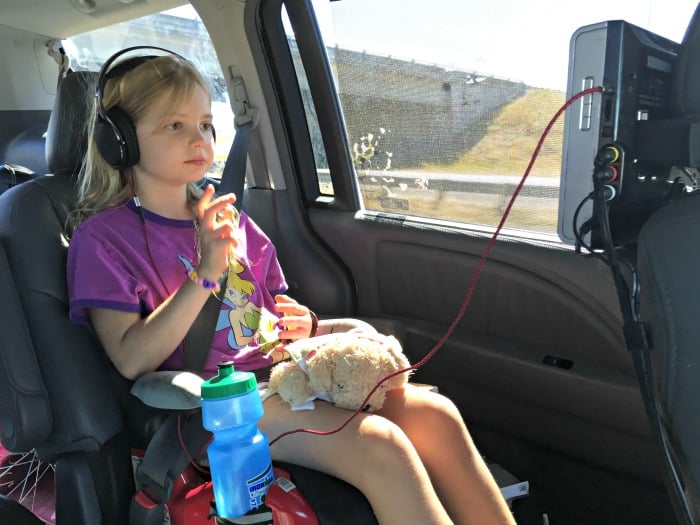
(341,368)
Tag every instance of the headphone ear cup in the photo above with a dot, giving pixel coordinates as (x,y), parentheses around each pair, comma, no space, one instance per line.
(115,137)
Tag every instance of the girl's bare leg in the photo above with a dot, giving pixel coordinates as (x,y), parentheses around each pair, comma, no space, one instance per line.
(460,476)
(371,453)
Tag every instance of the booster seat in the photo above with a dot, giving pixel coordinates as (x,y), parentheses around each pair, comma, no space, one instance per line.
(59,393)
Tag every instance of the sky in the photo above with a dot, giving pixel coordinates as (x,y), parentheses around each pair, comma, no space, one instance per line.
(480,35)
(522,40)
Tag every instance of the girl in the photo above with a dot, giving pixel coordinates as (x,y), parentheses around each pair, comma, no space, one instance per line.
(140,270)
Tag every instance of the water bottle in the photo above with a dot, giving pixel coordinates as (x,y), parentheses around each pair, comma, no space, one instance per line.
(239,455)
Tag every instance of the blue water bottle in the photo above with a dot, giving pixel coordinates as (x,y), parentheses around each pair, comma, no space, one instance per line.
(239,455)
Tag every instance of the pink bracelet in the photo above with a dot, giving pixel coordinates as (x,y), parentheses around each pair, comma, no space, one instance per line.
(193,276)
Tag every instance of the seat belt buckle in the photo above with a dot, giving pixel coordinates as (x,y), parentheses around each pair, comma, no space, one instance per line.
(144,511)
(244,112)
(249,117)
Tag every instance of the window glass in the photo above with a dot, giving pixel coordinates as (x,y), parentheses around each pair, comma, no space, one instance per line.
(444,104)
(179,30)
(325,186)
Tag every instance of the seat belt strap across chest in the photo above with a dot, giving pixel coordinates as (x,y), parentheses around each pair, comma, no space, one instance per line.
(199,337)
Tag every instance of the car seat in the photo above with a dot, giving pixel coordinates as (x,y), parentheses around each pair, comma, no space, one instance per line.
(59,393)
(668,258)
(72,414)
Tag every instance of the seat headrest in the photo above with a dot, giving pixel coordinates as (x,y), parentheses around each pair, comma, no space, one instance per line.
(66,136)
(27,149)
(686,72)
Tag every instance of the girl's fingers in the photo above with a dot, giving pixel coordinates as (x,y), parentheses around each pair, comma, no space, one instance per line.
(293,326)
(292,310)
(294,317)
(225,200)
(293,335)
(281,298)
(218,235)
(204,200)
(209,206)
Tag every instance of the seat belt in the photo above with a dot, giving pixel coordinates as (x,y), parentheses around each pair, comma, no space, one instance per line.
(233,176)
(164,461)
(199,337)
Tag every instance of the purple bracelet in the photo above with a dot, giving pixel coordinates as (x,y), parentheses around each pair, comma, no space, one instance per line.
(193,276)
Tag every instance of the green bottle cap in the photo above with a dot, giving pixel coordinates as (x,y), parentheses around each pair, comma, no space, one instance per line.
(228,382)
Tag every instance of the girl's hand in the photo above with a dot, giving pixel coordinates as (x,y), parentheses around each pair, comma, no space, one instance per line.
(217,232)
(296,321)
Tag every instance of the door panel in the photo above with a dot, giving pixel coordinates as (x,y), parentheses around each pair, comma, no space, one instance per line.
(531,304)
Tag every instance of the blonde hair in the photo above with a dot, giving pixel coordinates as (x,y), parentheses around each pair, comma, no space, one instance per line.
(100,185)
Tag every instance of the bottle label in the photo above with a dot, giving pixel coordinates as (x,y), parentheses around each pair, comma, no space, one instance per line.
(257,486)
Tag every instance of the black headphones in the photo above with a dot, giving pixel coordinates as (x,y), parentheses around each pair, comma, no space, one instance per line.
(115,134)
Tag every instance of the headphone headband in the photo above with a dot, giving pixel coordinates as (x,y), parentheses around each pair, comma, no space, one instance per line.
(115,135)
(121,69)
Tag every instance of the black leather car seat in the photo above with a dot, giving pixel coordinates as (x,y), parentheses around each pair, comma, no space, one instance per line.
(59,390)
(668,258)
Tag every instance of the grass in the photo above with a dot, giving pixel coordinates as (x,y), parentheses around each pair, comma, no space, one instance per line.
(506,149)
(512,137)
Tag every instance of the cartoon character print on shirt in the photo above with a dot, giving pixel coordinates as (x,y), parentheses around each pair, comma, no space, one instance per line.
(248,323)
(240,317)
(245,322)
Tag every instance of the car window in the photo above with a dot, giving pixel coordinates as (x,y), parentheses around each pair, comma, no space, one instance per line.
(445,106)
(179,30)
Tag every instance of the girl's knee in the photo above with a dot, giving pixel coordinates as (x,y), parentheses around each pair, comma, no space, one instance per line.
(445,408)
(435,413)
(418,404)
(383,441)
(445,415)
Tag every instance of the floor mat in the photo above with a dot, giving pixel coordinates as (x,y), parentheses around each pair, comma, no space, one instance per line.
(568,492)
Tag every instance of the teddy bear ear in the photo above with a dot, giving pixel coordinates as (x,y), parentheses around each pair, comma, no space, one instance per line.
(392,345)
(399,361)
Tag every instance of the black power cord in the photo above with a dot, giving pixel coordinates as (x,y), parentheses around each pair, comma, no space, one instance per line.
(635,335)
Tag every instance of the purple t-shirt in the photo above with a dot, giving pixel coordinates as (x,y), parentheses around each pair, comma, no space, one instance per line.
(109,267)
